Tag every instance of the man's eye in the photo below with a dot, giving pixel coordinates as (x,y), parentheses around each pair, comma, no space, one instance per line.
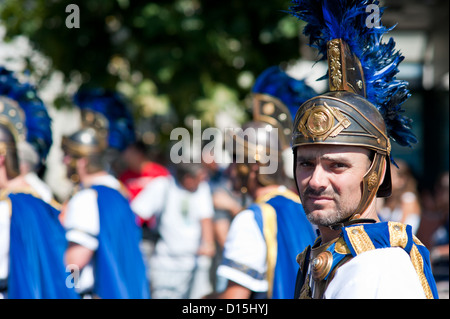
(339,165)
(305,164)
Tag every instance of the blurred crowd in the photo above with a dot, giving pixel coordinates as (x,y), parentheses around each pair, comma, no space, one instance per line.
(198,203)
(183,213)
(426,210)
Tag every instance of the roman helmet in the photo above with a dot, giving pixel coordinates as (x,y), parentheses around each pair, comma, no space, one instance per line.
(363,105)
(106,124)
(275,100)
(25,124)
(266,138)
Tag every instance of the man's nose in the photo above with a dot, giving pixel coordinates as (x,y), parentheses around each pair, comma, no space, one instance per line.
(318,178)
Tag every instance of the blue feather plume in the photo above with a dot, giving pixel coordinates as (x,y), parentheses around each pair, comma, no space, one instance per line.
(346,19)
(292,92)
(113,106)
(37,120)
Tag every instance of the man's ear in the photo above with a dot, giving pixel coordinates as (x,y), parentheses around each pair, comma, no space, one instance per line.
(2,160)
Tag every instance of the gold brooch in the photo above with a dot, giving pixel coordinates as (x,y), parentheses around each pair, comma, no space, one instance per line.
(321,265)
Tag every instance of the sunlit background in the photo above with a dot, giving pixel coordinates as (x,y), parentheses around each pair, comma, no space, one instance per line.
(181,60)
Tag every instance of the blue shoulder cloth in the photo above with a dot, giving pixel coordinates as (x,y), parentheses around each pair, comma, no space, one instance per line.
(119,264)
(364,237)
(37,247)
(287,233)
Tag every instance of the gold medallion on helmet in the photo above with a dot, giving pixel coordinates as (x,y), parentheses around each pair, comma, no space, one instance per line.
(319,121)
(322,121)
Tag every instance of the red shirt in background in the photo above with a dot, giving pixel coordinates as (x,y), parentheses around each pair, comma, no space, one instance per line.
(135,182)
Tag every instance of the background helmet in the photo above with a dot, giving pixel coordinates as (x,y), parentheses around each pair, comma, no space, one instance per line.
(267,138)
(26,115)
(106,125)
(258,143)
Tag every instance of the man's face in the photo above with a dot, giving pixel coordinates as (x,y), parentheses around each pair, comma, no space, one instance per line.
(244,177)
(192,182)
(329,181)
(71,168)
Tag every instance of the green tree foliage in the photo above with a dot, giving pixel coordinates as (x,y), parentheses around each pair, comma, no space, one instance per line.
(171,54)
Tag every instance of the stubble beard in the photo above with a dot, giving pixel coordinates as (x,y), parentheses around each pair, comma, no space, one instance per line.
(321,216)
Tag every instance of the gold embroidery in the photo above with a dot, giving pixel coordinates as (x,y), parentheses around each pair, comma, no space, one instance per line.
(399,238)
(417,262)
(359,239)
(277,192)
(417,241)
(270,234)
(397,234)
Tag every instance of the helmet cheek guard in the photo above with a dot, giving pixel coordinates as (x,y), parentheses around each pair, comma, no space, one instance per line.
(12,131)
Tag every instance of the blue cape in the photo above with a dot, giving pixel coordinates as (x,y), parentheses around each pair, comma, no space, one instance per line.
(119,265)
(293,234)
(37,246)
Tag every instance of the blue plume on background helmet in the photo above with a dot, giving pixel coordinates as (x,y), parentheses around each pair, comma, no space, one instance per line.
(277,83)
(346,19)
(113,107)
(37,120)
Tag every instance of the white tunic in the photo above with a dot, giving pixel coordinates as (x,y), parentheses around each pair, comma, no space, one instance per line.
(5,223)
(82,223)
(385,273)
(180,225)
(245,246)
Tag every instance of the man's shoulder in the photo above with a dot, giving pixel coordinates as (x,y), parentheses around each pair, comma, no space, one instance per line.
(364,237)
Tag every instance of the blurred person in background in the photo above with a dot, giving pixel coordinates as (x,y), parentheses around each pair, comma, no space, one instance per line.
(32,240)
(101,227)
(227,204)
(403,205)
(181,260)
(30,163)
(32,158)
(140,169)
(263,240)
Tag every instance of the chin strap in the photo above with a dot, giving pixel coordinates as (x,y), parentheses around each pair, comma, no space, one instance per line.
(354,220)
